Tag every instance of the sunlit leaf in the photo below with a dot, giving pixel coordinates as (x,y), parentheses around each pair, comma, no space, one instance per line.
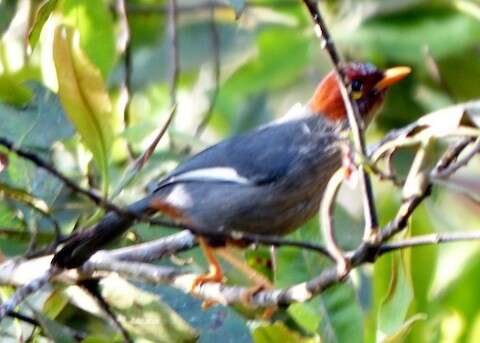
(83,94)
(279,332)
(218,323)
(145,315)
(54,304)
(393,310)
(93,20)
(13,91)
(400,335)
(43,13)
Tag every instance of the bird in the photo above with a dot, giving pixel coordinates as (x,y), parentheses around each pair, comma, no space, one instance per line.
(268,181)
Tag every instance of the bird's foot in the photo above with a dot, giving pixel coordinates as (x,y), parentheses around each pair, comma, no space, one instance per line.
(250,293)
(214,276)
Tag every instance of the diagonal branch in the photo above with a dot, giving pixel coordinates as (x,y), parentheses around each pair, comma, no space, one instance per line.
(354,120)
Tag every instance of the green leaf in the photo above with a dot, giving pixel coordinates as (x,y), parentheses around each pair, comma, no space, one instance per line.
(335,314)
(393,310)
(305,316)
(39,123)
(216,324)
(278,332)
(12,90)
(143,314)
(57,332)
(84,96)
(403,35)
(94,22)
(43,13)
(400,335)
(54,304)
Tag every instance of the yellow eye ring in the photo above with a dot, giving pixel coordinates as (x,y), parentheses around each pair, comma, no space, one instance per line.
(356,95)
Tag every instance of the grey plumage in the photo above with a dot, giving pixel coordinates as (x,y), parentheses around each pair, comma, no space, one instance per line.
(271,193)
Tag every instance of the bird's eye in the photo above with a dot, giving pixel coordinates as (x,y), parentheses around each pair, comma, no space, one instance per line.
(356,85)
(356,89)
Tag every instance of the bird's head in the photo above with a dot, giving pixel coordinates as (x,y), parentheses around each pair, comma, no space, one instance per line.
(368,85)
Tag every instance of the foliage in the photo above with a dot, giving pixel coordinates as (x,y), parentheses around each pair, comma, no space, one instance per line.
(62,75)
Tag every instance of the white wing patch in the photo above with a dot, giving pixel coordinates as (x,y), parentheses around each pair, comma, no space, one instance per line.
(179,197)
(225,174)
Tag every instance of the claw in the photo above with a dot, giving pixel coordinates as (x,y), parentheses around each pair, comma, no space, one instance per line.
(251,292)
(215,275)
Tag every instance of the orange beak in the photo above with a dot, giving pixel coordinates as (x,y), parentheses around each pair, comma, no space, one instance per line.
(392,76)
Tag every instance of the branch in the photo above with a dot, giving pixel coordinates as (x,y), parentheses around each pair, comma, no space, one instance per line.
(445,171)
(173,40)
(216,70)
(124,47)
(354,120)
(23,292)
(40,163)
(103,263)
(432,239)
(326,220)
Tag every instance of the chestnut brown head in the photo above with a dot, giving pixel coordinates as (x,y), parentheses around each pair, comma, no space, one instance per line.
(367,83)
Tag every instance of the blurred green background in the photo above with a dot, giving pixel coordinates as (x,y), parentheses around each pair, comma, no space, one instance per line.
(63,69)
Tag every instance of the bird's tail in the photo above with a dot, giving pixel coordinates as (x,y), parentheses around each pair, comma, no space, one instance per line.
(83,245)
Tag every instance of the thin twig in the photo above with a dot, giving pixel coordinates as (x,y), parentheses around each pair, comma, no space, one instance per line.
(354,120)
(23,318)
(140,162)
(326,215)
(123,46)
(431,239)
(452,153)
(40,163)
(173,50)
(215,39)
(454,167)
(91,286)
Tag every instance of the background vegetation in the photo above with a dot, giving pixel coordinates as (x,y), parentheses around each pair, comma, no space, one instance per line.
(63,76)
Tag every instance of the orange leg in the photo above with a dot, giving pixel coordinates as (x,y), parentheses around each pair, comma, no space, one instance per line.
(215,273)
(259,281)
(251,274)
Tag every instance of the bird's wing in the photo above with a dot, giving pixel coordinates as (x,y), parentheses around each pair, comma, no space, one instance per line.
(259,157)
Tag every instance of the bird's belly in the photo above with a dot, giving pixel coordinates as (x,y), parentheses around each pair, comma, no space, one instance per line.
(225,207)
(278,215)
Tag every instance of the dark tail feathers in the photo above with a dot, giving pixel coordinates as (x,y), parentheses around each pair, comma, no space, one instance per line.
(79,249)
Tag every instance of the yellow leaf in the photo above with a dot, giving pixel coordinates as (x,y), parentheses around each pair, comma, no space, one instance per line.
(84,97)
